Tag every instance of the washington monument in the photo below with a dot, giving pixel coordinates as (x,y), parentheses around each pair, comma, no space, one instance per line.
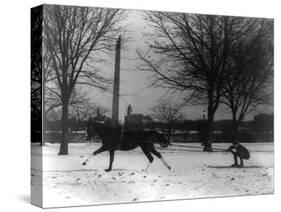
(116,85)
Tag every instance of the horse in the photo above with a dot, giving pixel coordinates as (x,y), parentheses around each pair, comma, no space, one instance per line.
(113,139)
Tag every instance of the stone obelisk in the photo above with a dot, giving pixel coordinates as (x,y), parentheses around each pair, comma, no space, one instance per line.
(116,85)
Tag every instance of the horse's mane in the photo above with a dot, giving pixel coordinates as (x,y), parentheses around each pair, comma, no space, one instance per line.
(104,130)
(161,137)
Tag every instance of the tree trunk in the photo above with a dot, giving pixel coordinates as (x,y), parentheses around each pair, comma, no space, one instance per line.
(209,131)
(185,136)
(64,128)
(235,133)
(235,125)
(43,115)
(44,126)
(169,133)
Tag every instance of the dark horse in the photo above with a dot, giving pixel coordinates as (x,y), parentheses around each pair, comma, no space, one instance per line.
(113,139)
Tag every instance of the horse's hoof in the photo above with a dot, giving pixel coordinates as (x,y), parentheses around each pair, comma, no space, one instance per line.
(84,164)
(169,168)
(107,170)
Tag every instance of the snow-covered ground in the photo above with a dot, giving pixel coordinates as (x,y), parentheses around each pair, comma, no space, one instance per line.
(67,183)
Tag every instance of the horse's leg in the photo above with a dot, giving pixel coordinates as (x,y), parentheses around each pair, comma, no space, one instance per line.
(148,155)
(111,159)
(101,149)
(157,154)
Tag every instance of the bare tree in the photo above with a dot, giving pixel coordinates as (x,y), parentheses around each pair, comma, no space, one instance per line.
(249,79)
(81,108)
(88,110)
(36,71)
(48,97)
(76,37)
(189,52)
(168,112)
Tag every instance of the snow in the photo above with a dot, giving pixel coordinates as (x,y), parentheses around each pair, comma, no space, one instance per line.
(67,183)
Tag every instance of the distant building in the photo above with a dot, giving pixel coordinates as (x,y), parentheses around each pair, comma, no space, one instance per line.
(135,121)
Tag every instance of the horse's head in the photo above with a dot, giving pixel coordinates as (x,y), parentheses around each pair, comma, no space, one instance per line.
(103,129)
(164,143)
(94,129)
(159,138)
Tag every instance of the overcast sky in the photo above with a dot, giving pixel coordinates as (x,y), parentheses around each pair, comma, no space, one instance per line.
(134,85)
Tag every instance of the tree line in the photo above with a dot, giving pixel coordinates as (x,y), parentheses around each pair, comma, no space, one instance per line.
(260,129)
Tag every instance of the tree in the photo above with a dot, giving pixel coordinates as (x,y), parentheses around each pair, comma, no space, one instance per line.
(36,70)
(49,97)
(168,112)
(189,53)
(75,38)
(88,110)
(248,82)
